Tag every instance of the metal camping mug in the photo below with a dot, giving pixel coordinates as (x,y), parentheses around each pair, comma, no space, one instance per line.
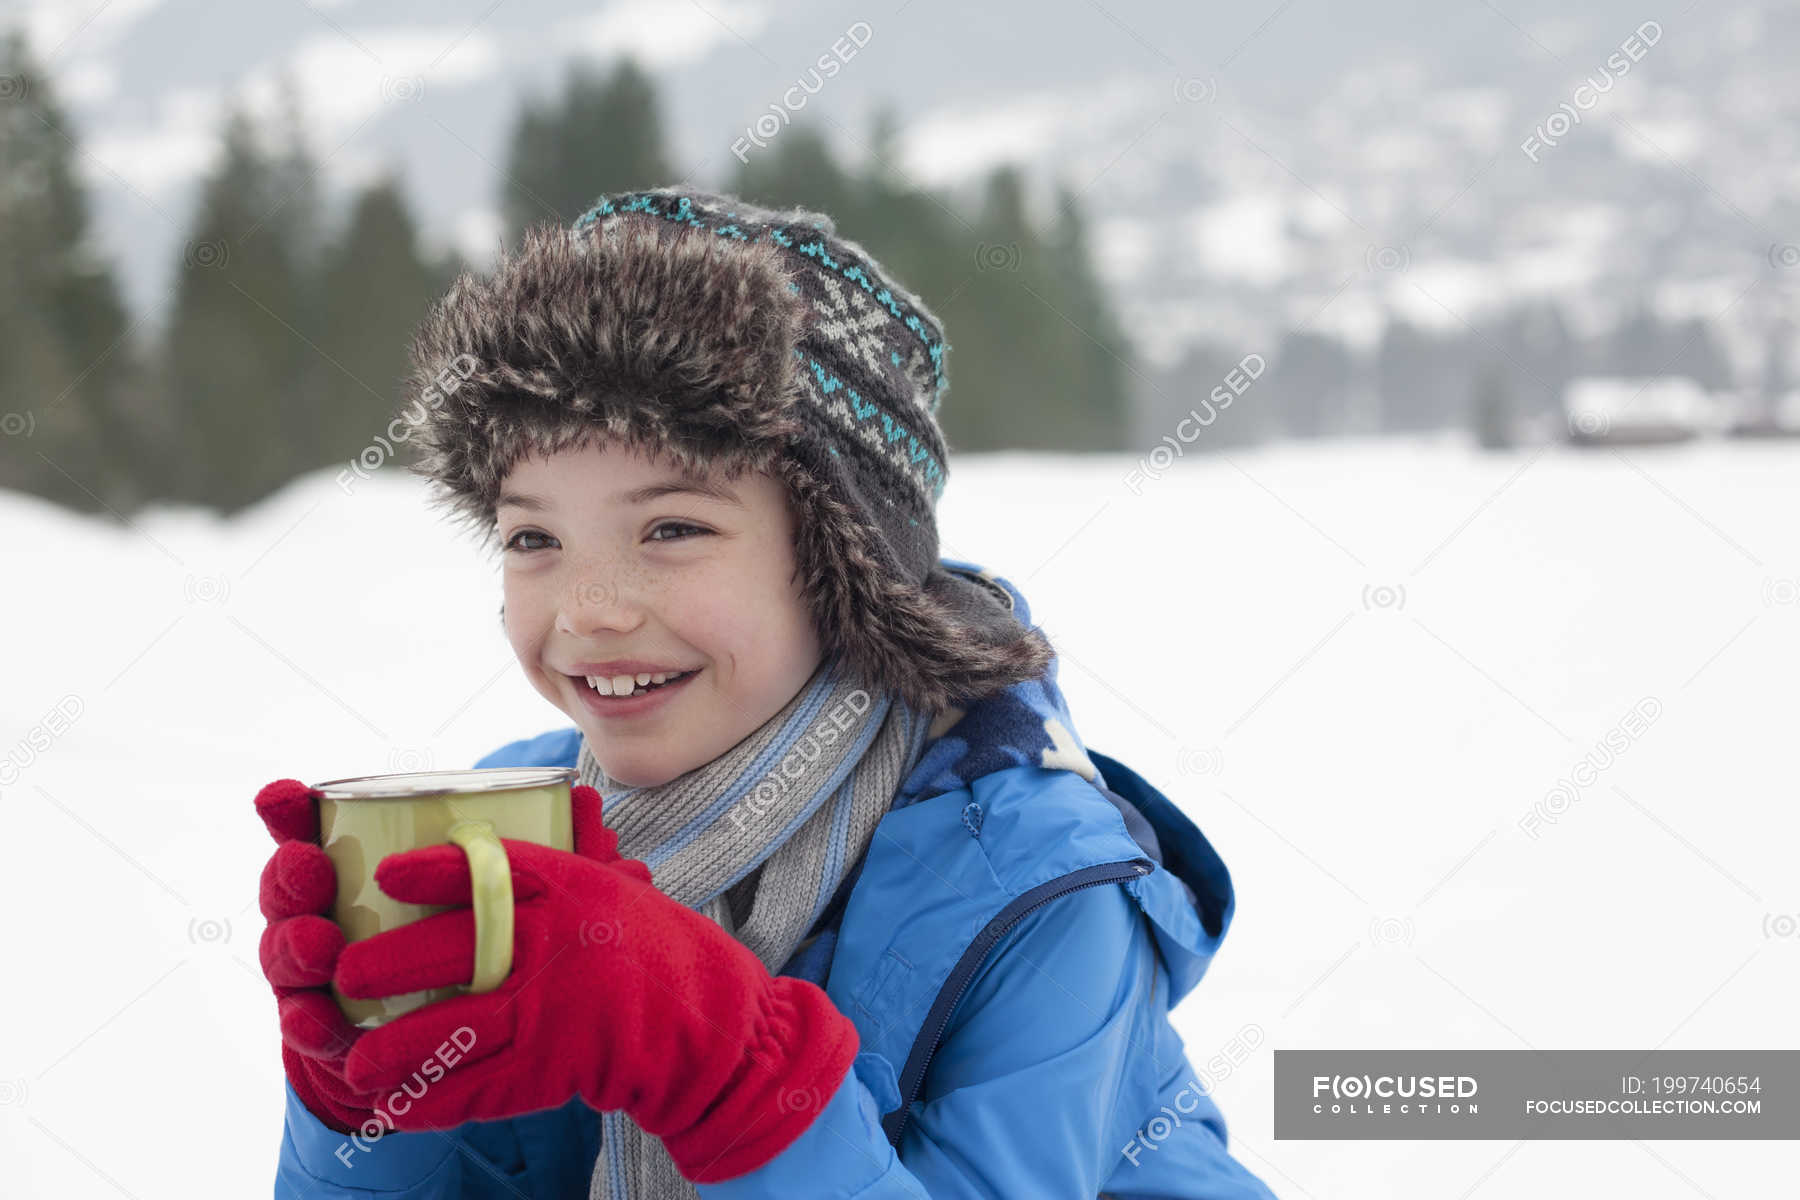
(368,817)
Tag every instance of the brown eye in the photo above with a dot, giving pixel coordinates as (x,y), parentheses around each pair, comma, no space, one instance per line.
(675,525)
(512,543)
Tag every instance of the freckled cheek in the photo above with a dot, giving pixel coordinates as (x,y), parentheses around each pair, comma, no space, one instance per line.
(716,621)
(752,613)
(529,620)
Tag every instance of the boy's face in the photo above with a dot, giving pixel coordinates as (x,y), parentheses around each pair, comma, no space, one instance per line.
(679,581)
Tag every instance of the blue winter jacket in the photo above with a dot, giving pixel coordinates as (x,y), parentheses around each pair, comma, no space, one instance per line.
(1009,954)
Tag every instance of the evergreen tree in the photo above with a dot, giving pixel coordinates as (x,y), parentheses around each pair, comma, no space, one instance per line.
(1422,378)
(1098,352)
(798,168)
(378,289)
(1645,345)
(1036,358)
(1170,397)
(1537,337)
(601,135)
(1307,391)
(68,377)
(914,233)
(241,377)
(1492,411)
(882,173)
(1694,351)
(1004,333)
(1777,377)
(923,242)
(294,181)
(1405,374)
(1637,347)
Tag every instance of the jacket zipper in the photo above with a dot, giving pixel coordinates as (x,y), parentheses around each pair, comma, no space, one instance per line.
(912,1076)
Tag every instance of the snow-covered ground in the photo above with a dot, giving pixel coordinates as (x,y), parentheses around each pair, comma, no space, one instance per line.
(1360,667)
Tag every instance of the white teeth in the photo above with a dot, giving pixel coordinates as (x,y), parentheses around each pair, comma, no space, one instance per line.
(623,685)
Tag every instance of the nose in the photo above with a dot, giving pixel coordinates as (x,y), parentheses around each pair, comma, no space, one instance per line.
(598,602)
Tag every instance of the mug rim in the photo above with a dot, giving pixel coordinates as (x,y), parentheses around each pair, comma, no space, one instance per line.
(395,785)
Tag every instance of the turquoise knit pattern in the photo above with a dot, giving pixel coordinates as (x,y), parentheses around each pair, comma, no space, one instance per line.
(872,362)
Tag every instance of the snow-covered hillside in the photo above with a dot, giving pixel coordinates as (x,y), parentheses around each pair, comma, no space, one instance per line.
(1363,668)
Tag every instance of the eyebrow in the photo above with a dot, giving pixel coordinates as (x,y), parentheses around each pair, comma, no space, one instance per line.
(642,495)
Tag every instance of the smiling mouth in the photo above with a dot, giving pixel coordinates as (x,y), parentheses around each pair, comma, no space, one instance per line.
(637,688)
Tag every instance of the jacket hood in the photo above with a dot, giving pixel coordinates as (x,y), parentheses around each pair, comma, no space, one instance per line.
(1176,844)
(1190,899)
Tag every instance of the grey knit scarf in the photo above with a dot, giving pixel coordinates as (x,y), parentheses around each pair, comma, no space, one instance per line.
(758,840)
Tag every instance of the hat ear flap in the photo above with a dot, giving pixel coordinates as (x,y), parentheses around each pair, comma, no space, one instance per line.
(940,642)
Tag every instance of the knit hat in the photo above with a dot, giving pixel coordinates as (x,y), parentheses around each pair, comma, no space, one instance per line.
(724,337)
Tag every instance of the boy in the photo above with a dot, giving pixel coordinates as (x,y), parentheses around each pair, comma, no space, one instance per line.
(862,915)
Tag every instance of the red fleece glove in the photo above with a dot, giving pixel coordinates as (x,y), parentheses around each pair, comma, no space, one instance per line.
(299,948)
(617,994)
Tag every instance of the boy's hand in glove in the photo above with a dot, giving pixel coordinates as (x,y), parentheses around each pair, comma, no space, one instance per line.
(617,994)
(299,948)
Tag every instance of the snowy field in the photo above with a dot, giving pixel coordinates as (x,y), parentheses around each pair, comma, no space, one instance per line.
(1363,669)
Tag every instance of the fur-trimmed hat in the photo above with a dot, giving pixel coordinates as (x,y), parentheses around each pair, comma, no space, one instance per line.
(723,336)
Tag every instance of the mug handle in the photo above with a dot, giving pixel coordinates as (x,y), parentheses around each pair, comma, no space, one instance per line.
(491,898)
